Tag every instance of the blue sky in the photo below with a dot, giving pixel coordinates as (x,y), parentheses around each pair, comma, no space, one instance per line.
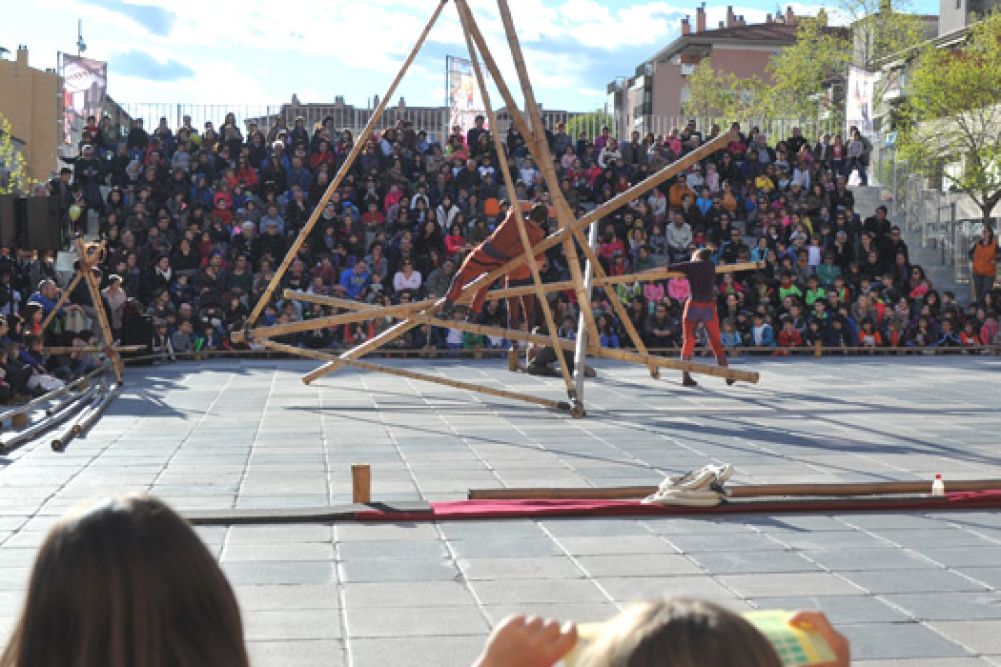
(255,52)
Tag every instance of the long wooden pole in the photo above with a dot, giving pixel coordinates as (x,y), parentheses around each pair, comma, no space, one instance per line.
(363,310)
(550,241)
(67,349)
(413,375)
(601,352)
(341,174)
(505,169)
(743,491)
(398,310)
(531,136)
(516,334)
(644,276)
(87,259)
(543,157)
(63,298)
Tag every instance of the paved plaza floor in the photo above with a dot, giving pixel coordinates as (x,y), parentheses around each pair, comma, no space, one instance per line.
(913,588)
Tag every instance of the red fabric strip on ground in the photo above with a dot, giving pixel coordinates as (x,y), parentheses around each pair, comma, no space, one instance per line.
(527,509)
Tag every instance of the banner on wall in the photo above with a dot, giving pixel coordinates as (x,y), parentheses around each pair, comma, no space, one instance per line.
(464,99)
(858,101)
(85,83)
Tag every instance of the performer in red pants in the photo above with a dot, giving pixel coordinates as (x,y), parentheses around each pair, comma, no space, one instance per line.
(701,307)
(502,245)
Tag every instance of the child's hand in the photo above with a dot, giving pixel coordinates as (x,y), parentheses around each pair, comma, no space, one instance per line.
(816,621)
(527,642)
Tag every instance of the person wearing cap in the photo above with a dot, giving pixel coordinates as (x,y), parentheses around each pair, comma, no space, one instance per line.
(502,245)
(700,308)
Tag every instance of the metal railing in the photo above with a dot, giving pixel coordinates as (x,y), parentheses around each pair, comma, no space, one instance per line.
(942,221)
(776,129)
(435,121)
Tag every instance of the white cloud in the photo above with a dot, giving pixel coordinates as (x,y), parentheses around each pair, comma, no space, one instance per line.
(246,51)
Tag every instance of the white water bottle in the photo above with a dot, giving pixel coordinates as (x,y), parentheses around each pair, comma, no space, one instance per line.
(938,486)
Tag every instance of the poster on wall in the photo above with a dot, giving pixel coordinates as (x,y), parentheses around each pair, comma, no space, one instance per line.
(85,82)
(858,101)
(464,99)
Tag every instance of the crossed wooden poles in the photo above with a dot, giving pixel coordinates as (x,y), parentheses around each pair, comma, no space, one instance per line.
(90,256)
(570,235)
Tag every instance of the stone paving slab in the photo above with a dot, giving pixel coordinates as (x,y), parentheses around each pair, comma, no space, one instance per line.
(909,589)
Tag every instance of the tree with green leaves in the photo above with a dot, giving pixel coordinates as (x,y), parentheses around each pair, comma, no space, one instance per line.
(13,173)
(952,115)
(881,28)
(802,73)
(590,123)
(714,94)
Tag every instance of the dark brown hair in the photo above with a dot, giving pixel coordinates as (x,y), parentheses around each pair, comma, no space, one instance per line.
(127,583)
(679,633)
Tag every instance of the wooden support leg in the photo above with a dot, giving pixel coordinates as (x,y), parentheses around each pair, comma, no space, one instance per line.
(63,298)
(550,241)
(102,315)
(341,174)
(540,152)
(413,375)
(540,295)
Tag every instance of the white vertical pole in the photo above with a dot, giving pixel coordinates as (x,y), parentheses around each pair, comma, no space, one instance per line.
(580,351)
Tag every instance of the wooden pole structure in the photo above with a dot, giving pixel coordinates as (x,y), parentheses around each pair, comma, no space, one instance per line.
(63,298)
(91,256)
(644,276)
(413,375)
(67,349)
(569,250)
(550,241)
(660,273)
(516,334)
(544,159)
(526,242)
(341,174)
(743,491)
(570,234)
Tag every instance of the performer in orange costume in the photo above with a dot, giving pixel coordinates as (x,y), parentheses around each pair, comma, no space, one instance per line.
(495,251)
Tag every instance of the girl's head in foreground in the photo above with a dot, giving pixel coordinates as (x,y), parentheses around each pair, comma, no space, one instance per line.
(679,633)
(127,583)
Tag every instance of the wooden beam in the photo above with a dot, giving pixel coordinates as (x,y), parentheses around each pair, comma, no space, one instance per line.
(738,491)
(531,136)
(67,349)
(342,172)
(400,310)
(660,273)
(544,158)
(413,375)
(644,276)
(603,352)
(550,241)
(89,254)
(526,242)
(63,298)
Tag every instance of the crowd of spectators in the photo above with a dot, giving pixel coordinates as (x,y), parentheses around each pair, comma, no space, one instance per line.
(197,219)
